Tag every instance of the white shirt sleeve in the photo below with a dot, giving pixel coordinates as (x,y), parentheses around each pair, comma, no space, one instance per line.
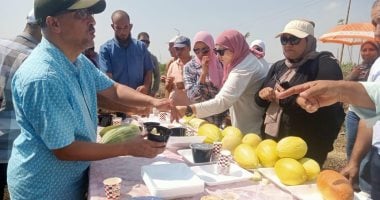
(374,73)
(233,88)
(373,90)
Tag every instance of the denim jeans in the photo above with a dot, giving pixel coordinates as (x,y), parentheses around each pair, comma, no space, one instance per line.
(3,178)
(352,122)
(375,174)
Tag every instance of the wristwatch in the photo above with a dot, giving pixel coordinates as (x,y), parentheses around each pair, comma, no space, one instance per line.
(189,111)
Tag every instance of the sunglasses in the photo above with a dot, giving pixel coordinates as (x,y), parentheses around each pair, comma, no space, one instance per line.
(292,40)
(259,49)
(204,50)
(80,14)
(179,48)
(220,51)
(145,41)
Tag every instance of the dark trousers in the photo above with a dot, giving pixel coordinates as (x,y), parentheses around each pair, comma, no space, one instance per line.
(3,178)
(375,174)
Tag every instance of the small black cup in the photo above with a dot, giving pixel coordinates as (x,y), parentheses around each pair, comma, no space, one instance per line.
(162,135)
(104,120)
(201,152)
(148,124)
(178,131)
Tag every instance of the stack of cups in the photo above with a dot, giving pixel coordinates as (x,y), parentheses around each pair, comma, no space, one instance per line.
(217,147)
(165,117)
(112,188)
(224,162)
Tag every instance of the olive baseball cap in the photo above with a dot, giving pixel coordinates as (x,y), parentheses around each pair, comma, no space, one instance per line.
(44,8)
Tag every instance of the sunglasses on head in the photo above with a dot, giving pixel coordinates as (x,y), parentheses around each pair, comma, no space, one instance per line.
(145,41)
(292,40)
(220,51)
(204,50)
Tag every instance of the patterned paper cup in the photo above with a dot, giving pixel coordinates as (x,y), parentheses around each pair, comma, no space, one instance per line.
(112,188)
(116,121)
(164,116)
(224,162)
(217,147)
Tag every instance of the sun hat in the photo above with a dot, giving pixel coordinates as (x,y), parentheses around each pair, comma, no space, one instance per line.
(30,18)
(182,41)
(44,8)
(299,28)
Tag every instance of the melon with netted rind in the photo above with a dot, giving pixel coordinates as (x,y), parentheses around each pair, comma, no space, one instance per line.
(231,138)
(290,171)
(245,156)
(266,151)
(291,147)
(312,168)
(211,131)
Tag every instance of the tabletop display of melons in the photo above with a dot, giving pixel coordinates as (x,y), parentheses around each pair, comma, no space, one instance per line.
(250,152)
(286,157)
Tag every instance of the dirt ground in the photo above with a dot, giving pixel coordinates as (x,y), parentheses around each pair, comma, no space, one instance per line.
(337,158)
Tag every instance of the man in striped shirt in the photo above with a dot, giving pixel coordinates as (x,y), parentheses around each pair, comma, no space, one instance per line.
(12,54)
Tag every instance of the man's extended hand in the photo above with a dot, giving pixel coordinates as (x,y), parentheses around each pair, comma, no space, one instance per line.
(314,94)
(140,147)
(351,172)
(167,105)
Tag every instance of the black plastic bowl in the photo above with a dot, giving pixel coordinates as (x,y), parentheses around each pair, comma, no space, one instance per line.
(104,120)
(162,135)
(178,131)
(148,124)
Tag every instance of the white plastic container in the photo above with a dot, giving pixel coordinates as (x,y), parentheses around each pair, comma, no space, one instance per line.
(171,181)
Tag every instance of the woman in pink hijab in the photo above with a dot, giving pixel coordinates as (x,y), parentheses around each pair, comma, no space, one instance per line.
(204,73)
(243,74)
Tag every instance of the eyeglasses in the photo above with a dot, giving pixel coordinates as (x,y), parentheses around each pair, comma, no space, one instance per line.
(204,50)
(292,40)
(145,41)
(80,14)
(220,51)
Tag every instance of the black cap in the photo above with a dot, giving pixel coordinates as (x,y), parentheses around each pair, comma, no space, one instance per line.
(44,8)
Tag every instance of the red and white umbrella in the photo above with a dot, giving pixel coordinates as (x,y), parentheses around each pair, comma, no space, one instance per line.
(349,34)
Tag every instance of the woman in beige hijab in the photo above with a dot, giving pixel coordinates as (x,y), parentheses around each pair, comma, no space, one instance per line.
(301,64)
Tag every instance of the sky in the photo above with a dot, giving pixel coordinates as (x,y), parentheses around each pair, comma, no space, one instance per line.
(163,19)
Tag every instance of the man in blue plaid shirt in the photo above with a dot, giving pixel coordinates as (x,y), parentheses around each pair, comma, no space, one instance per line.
(12,54)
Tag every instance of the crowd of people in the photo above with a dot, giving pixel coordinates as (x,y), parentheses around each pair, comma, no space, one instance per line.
(52,83)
